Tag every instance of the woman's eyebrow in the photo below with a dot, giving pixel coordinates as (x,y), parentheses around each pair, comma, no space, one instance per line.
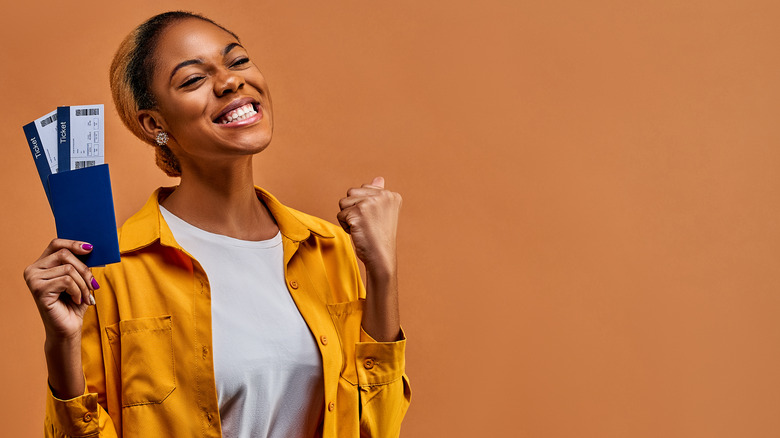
(184,64)
(230,47)
(225,51)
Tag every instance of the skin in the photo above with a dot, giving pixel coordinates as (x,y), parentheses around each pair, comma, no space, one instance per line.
(216,192)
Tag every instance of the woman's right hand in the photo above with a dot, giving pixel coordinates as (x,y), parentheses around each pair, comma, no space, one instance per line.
(62,287)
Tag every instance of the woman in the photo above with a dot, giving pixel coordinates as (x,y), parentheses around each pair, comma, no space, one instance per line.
(229,313)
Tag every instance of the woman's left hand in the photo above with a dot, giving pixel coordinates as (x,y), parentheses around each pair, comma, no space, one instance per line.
(370,214)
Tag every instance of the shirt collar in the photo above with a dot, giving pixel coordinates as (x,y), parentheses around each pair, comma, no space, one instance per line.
(147,225)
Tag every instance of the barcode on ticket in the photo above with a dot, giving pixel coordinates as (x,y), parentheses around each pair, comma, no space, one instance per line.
(83,164)
(88,112)
(48,120)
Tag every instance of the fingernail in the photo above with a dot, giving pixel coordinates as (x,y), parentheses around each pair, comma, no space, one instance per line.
(95,284)
(91,299)
(86,246)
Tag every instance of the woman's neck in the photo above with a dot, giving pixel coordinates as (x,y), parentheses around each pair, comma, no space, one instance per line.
(222,201)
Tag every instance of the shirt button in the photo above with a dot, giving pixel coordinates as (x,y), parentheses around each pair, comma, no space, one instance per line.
(87,417)
(368,364)
(208,415)
(293,284)
(324,340)
(331,406)
(205,352)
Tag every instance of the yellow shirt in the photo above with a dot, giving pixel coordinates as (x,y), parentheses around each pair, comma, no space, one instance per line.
(146,344)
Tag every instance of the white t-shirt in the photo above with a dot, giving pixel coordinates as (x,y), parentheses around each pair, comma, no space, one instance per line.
(267,364)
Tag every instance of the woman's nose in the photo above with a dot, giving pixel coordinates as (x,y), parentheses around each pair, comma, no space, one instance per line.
(227,81)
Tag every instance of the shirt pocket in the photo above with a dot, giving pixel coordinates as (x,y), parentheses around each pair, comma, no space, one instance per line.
(346,318)
(142,350)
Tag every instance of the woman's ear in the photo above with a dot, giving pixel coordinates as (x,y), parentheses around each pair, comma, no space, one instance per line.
(150,122)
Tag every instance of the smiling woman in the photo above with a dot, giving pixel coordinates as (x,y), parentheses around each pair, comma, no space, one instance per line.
(229,314)
(194,52)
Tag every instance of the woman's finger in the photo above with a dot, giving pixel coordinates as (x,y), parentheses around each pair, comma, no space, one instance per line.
(75,246)
(343,217)
(69,264)
(71,271)
(349,201)
(377,183)
(363,191)
(65,256)
(65,284)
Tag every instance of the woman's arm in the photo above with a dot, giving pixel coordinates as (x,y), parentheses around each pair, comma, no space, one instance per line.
(62,287)
(370,215)
(85,414)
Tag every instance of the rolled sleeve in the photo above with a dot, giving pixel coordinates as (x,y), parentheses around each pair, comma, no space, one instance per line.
(80,416)
(379,363)
(76,417)
(384,389)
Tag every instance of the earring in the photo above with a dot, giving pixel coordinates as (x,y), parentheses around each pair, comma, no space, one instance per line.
(162,138)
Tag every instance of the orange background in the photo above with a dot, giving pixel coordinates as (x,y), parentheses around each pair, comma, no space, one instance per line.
(589,241)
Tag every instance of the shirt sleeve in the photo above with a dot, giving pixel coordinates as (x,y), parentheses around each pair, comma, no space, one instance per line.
(83,415)
(383,386)
(78,417)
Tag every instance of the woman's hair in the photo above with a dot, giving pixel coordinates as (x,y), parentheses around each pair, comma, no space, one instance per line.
(131,76)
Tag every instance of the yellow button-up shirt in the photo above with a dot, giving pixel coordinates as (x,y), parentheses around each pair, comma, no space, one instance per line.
(146,344)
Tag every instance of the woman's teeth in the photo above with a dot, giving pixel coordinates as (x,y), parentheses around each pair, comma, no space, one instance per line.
(238,114)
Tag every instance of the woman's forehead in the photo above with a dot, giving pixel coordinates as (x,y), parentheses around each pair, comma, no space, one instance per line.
(191,38)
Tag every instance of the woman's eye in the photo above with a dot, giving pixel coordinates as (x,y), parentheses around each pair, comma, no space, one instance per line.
(240,61)
(191,81)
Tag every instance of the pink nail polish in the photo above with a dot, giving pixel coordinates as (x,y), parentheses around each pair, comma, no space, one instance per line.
(86,246)
(95,284)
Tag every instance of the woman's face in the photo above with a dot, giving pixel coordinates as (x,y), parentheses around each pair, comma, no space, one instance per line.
(211,98)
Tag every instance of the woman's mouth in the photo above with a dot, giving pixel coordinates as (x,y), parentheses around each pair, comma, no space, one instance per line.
(237,115)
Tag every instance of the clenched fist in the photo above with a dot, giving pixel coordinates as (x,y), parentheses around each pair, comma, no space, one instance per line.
(370,215)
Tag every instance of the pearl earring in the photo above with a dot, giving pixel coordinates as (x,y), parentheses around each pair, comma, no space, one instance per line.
(162,138)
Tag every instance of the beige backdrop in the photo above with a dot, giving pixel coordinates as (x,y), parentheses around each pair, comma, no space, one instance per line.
(589,241)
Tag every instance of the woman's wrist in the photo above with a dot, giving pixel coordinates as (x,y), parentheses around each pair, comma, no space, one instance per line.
(63,361)
(380,314)
(383,269)
(56,338)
